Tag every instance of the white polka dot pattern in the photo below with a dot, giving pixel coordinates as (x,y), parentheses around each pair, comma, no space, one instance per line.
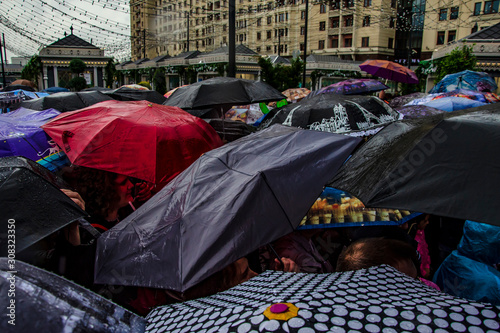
(378,299)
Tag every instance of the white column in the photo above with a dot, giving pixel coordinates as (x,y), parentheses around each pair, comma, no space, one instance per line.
(56,78)
(95,77)
(45,77)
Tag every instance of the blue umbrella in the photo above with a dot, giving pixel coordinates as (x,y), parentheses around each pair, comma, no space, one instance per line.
(453,103)
(467,79)
(21,135)
(53,90)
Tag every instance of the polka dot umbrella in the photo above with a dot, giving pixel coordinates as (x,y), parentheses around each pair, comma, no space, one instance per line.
(377,299)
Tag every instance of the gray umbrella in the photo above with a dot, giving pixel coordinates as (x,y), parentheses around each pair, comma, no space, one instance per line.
(66,101)
(229,202)
(45,302)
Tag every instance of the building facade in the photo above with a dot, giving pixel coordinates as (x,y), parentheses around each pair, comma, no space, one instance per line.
(56,57)
(349,29)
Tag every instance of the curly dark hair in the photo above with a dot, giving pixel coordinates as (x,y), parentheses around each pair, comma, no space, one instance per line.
(96,187)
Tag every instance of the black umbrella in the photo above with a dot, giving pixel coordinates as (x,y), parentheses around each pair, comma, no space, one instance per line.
(226,204)
(129,94)
(353,114)
(66,101)
(40,301)
(447,165)
(17,87)
(377,299)
(221,91)
(97,89)
(31,203)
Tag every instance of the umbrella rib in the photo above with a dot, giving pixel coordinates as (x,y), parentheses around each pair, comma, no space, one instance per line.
(279,203)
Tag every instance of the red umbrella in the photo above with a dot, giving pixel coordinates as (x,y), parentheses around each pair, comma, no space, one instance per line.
(139,139)
(389,70)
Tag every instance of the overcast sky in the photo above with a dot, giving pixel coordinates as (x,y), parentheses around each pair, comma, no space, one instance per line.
(30,24)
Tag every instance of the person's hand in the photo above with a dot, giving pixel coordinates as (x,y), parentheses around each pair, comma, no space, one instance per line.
(289,265)
(143,191)
(75,197)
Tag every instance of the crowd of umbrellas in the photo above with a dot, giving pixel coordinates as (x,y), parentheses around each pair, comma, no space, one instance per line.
(239,191)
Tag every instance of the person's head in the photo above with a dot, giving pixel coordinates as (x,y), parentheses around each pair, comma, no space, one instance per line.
(102,191)
(369,252)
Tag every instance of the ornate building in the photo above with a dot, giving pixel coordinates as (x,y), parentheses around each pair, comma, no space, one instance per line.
(57,56)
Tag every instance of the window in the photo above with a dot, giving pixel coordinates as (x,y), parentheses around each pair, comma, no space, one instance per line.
(302,46)
(303,15)
(367,3)
(453,13)
(335,4)
(302,31)
(334,42)
(259,22)
(334,22)
(491,7)
(474,29)
(268,48)
(348,3)
(392,22)
(269,20)
(259,36)
(269,34)
(366,21)
(348,21)
(322,8)
(440,39)
(390,43)
(322,26)
(347,40)
(452,34)
(477,8)
(321,45)
(365,41)
(443,14)
(393,3)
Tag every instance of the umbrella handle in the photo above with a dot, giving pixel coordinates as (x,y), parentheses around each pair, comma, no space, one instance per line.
(271,249)
(65,136)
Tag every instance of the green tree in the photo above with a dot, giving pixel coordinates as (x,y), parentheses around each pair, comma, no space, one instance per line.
(268,72)
(458,60)
(77,66)
(77,83)
(32,70)
(109,73)
(279,76)
(159,81)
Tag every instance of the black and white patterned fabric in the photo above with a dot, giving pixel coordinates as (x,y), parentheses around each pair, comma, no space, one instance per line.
(378,299)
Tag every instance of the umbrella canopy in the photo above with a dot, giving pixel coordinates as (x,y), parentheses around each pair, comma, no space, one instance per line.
(467,79)
(21,135)
(389,70)
(53,90)
(11,100)
(19,87)
(470,94)
(129,94)
(418,111)
(170,92)
(66,101)
(399,101)
(30,198)
(356,115)
(223,91)
(134,86)
(353,87)
(453,103)
(377,299)
(232,200)
(295,94)
(444,165)
(49,303)
(137,139)
(24,83)
(97,89)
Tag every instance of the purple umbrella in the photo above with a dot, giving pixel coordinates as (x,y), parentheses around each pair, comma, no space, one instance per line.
(389,70)
(21,135)
(418,111)
(354,87)
(399,101)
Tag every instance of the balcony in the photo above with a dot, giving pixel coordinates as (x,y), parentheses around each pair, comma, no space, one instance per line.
(333,31)
(346,30)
